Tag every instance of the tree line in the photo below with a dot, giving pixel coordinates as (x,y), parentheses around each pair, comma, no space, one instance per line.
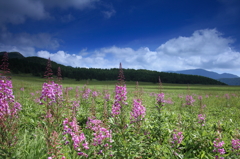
(37,66)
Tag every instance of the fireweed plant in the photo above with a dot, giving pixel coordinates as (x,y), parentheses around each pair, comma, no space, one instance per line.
(52,100)
(177,138)
(119,106)
(9,110)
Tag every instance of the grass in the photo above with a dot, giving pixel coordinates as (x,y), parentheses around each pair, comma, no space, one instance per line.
(148,138)
(27,79)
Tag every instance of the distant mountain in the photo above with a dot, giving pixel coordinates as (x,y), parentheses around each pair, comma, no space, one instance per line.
(230,81)
(13,55)
(205,73)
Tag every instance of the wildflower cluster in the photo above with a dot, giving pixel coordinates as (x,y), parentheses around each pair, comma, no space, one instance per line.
(160,99)
(51,92)
(218,147)
(102,136)
(138,111)
(107,96)
(177,139)
(201,119)
(236,144)
(94,94)
(86,92)
(78,138)
(189,100)
(8,112)
(8,106)
(120,98)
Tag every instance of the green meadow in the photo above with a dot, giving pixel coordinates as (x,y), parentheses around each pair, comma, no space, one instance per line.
(27,79)
(171,120)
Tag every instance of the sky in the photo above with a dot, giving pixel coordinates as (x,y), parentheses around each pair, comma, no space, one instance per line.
(160,35)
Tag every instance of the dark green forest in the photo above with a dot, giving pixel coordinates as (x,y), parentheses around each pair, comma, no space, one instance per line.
(37,66)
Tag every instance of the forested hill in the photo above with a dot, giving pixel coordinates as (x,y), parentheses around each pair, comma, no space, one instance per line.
(37,66)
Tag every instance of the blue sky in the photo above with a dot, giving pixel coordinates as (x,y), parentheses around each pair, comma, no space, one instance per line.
(161,35)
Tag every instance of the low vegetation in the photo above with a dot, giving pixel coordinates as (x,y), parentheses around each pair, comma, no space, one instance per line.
(54,118)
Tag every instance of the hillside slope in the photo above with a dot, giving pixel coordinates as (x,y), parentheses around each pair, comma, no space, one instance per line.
(205,73)
(37,66)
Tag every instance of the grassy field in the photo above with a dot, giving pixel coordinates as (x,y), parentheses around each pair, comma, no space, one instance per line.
(95,119)
(25,79)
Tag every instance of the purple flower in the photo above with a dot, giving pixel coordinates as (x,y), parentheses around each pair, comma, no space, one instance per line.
(180,96)
(217,143)
(201,119)
(94,94)
(51,92)
(8,106)
(221,151)
(102,136)
(152,94)
(177,139)
(107,96)
(160,99)
(120,98)
(75,104)
(218,147)
(227,96)
(138,111)
(77,136)
(189,100)
(82,154)
(86,92)
(168,101)
(236,144)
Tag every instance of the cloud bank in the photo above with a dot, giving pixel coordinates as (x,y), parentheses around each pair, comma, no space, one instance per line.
(26,43)
(206,49)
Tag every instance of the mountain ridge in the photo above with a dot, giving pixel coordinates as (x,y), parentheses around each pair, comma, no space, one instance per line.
(205,73)
(17,55)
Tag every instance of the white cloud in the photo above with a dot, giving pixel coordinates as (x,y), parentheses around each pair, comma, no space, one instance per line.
(108,14)
(74,60)
(206,49)
(25,51)
(17,11)
(203,42)
(26,43)
(78,4)
(60,57)
(12,11)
